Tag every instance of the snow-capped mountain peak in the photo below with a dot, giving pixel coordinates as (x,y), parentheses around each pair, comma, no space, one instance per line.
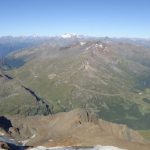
(68,35)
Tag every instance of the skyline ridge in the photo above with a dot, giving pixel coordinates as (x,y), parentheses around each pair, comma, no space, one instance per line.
(84,35)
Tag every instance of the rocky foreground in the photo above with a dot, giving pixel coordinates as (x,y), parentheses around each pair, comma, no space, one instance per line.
(75,128)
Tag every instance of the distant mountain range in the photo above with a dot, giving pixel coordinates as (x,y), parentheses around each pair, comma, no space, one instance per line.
(109,76)
(10,43)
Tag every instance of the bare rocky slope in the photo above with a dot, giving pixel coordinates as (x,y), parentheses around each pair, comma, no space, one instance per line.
(75,128)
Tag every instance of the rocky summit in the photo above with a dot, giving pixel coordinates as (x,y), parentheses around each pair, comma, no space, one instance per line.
(79,127)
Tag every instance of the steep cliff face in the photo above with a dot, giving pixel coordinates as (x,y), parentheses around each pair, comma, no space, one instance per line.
(75,128)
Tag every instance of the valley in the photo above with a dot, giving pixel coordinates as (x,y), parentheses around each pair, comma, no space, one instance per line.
(95,75)
(65,77)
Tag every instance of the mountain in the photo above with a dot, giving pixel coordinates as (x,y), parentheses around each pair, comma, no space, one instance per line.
(9,43)
(108,76)
(72,35)
(68,35)
(137,41)
(15,98)
(78,127)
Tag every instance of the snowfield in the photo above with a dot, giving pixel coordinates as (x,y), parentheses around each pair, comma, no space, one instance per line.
(98,147)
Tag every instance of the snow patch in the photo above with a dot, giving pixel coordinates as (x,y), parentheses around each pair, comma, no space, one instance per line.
(68,35)
(82,43)
(98,147)
(50,148)
(99,45)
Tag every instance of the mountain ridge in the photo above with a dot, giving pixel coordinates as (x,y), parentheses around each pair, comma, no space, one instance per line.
(106,77)
(78,127)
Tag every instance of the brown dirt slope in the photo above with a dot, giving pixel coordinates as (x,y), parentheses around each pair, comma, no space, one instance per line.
(76,128)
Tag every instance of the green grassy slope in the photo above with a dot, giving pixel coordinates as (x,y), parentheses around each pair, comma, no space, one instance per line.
(15,99)
(107,78)
(145,134)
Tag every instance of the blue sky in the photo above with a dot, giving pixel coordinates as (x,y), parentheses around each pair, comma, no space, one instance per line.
(114,18)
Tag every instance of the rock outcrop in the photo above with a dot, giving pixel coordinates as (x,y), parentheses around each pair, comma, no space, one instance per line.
(76,128)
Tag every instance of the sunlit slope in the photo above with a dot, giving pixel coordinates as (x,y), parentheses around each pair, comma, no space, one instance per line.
(17,99)
(110,78)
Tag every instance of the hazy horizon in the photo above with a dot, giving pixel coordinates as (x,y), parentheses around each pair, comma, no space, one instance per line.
(59,35)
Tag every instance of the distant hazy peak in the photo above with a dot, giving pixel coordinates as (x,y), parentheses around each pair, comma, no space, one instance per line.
(72,35)
(69,35)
